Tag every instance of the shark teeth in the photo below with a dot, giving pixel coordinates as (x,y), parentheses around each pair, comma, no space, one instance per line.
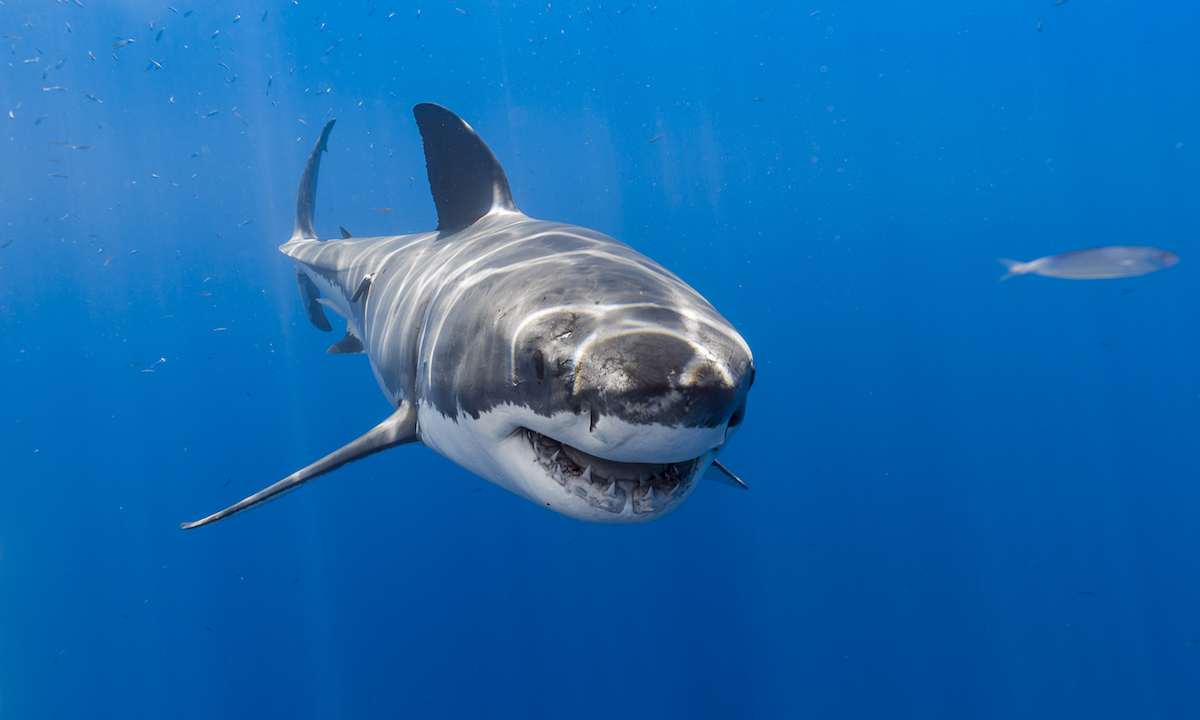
(612,486)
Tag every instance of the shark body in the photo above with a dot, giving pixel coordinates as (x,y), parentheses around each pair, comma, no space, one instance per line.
(549,359)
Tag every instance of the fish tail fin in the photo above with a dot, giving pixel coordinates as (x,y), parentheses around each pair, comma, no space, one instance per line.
(307,196)
(1013,267)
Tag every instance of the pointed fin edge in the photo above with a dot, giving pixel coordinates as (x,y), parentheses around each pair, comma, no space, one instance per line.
(719,473)
(466,179)
(349,345)
(307,196)
(400,428)
(364,287)
(310,295)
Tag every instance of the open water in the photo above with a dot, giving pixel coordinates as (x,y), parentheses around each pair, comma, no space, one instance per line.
(968,498)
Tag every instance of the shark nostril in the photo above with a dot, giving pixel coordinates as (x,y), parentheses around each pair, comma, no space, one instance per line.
(736,418)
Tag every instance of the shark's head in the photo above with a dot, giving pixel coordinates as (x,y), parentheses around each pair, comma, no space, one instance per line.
(589,379)
(652,399)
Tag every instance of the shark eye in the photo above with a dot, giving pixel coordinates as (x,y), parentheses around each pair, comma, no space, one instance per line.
(539,364)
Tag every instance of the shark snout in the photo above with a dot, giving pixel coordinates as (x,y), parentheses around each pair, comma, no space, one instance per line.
(660,377)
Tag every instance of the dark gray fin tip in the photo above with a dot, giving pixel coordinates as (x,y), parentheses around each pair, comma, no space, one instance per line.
(400,428)
(465,177)
(349,345)
(719,473)
(345,232)
(309,296)
(308,188)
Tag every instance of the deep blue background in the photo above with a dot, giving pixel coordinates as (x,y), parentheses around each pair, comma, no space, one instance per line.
(968,498)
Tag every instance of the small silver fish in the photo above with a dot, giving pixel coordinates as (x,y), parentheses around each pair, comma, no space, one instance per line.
(1117,261)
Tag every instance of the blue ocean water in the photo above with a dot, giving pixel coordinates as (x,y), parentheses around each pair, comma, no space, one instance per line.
(968,498)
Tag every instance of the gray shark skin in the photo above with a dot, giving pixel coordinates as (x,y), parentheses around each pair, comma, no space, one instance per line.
(547,358)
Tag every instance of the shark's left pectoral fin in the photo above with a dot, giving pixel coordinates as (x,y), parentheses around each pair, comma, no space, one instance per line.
(719,473)
(399,429)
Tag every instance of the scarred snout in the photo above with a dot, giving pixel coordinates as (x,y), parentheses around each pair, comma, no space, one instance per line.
(652,376)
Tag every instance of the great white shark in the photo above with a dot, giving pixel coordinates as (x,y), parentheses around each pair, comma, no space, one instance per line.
(549,359)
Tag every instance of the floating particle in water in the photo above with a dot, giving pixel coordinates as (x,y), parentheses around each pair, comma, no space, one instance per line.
(824,69)
(829,109)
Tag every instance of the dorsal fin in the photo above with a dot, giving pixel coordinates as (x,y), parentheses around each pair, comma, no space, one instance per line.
(308,188)
(465,177)
(345,232)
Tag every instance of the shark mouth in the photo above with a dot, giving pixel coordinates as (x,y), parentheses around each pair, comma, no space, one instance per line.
(645,488)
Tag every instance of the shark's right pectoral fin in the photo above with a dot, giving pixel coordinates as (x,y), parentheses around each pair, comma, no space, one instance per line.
(399,429)
(719,473)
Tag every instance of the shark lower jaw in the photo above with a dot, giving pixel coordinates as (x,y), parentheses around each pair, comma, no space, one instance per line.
(611,491)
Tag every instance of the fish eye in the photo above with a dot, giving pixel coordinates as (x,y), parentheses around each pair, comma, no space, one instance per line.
(539,364)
